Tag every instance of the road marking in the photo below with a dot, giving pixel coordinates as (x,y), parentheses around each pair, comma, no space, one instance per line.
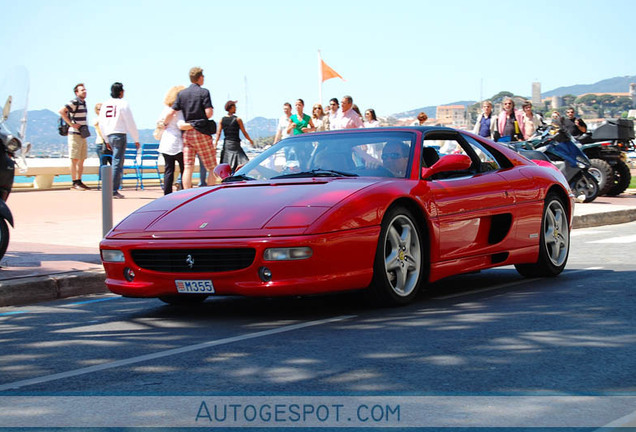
(506,285)
(175,351)
(14,313)
(617,240)
(628,421)
(92,301)
(64,305)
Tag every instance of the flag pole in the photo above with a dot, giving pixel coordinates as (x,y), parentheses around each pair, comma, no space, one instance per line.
(319,78)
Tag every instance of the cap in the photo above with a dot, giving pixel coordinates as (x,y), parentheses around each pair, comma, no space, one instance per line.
(229,104)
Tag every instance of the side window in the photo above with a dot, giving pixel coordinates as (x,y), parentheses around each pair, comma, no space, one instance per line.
(436,145)
(454,143)
(487,161)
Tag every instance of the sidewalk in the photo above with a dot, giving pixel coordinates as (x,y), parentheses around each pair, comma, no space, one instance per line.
(53,252)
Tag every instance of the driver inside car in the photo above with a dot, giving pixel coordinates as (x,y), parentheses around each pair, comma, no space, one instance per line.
(395,158)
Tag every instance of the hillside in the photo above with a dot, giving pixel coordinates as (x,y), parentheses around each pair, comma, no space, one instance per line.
(611,85)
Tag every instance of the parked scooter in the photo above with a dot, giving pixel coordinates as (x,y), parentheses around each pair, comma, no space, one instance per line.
(553,143)
(12,130)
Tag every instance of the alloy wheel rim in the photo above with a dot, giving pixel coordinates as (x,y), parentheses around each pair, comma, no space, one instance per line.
(402,256)
(556,234)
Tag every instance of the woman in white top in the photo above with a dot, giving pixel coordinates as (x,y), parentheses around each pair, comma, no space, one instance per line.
(171,143)
(370,119)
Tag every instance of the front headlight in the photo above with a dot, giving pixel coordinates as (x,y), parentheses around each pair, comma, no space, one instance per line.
(112,255)
(287,254)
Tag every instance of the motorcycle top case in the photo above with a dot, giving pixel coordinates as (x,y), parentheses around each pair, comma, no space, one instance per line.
(618,129)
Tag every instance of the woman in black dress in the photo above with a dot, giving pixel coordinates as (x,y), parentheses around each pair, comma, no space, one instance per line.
(232,152)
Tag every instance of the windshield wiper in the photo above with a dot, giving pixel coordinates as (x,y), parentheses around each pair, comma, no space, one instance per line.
(238,177)
(317,173)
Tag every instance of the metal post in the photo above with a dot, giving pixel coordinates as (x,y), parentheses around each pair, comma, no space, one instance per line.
(107,198)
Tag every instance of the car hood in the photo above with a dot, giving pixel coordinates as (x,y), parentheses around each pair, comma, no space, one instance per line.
(242,209)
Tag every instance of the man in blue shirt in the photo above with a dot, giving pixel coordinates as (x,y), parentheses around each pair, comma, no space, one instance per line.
(486,124)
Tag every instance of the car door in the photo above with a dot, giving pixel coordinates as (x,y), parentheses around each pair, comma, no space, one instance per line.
(470,205)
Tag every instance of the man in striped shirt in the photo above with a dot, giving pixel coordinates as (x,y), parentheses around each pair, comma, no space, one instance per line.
(74,113)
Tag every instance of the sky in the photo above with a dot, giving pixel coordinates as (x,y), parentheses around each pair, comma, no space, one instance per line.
(395,56)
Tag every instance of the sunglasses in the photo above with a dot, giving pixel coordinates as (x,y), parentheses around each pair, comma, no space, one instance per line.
(391,156)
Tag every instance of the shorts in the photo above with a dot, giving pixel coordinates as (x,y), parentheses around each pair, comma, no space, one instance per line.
(77,147)
(196,143)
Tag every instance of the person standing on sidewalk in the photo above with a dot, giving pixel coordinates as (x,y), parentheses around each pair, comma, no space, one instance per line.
(74,114)
(346,118)
(116,120)
(283,122)
(196,105)
(232,153)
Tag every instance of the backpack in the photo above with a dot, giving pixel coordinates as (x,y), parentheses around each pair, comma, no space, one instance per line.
(62,126)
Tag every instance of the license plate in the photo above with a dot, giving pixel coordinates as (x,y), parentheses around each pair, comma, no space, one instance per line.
(194,286)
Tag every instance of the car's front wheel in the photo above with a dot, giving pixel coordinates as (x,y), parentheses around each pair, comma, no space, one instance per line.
(399,261)
(554,244)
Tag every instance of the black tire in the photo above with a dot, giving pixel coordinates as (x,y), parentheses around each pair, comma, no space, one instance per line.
(622,178)
(603,173)
(398,270)
(4,237)
(184,299)
(554,242)
(585,185)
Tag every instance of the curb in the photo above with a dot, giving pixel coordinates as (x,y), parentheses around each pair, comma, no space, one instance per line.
(16,292)
(608,218)
(22,291)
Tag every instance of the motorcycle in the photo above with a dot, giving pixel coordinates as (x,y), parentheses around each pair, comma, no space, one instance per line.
(554,144)
(607,148)
(12,133)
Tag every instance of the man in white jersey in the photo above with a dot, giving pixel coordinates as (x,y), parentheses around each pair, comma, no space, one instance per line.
(116,120)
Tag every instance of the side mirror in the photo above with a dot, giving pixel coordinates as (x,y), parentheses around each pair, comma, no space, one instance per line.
(453,162)
(223,171)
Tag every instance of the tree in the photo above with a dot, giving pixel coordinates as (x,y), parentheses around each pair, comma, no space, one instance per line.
(588,99)
(499,96)
(568,99)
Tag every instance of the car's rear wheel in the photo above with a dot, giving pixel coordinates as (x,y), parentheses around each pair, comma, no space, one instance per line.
(554,245)
(184,299)
(399,261)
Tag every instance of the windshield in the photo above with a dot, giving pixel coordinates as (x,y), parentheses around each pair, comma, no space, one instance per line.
(15,85)
(362,154)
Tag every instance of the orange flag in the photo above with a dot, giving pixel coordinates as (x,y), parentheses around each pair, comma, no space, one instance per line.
(327,73)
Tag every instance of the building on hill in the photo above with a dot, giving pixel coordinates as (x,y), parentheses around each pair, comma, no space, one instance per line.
(536,94)
(452,116)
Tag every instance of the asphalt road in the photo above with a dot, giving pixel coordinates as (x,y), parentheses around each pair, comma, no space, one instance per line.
(483,334)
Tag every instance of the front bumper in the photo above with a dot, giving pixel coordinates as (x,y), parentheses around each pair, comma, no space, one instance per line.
(340,261)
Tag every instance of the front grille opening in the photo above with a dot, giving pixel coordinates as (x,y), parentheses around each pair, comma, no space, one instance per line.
(193,260)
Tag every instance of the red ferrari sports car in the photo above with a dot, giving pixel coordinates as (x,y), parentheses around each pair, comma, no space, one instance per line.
(387,210)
